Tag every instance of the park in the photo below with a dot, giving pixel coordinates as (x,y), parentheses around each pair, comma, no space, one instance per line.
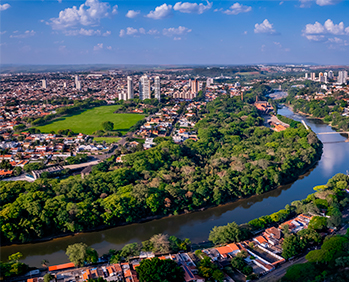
(91,120)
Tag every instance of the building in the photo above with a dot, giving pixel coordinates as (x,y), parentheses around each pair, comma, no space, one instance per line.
(76,79)
(157,88)
(122,96)
(144,88)
(209,82)
(312,76)
(43,83)
(78,85)
(306,75)
(130,91)
(342,77)
(321,77)
(330,75)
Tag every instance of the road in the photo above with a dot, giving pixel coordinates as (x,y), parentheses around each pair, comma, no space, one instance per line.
(277,274)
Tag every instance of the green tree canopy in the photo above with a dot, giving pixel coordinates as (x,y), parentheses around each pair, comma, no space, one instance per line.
(157,270)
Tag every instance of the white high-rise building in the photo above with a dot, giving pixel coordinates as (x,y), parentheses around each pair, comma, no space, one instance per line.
(130,91)
(313,76)
(342,77)
(306,75)
(330,75)
(326,77)
(209,81)
(43,82)
(64,84)
(157,88)
(78,85)
(122,95)
(76,79)
(144,88)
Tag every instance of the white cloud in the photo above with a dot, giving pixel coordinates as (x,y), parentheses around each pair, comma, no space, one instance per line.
(264,27)
(87,14)
(318,32)
(131,31)
(307,3)
(160,12)
(172,31)
(107,33)
(82,31)
(189,8)
(115,10)
(153,32)
(3,32)
(326,2)
(99,46)
(109,47)
(177,38)
(132,14)
(332,28)
(4,7)
(237,9)
(26,34)
(315,37)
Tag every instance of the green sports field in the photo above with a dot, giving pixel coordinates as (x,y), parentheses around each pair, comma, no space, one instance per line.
(91,120)
(107,140)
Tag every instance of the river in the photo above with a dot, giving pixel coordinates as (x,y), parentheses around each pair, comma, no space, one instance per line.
(197,225)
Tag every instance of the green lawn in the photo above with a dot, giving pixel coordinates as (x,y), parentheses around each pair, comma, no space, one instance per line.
(108,140)
(91,120)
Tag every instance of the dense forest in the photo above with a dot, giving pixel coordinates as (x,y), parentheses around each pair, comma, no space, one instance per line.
(235,156)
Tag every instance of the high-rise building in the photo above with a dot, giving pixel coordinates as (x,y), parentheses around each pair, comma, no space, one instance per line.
(330,74)
(325,76)
(64,84)
(342,77)
(122,95)
(157,88)
(144,88)
(312,76)
(43,82)
(306,75)
(209,81)
(130,91)
(76,79)
(78,85)
(321,77)
(194,86)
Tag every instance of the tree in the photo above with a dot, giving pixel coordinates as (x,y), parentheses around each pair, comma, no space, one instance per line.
(157,270)
(80,253)
(291,246)
(238,263)
(318,222)
(161,243)
(108,126)
(48,277)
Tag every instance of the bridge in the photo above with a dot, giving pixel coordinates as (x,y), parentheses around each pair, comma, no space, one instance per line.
(339,132)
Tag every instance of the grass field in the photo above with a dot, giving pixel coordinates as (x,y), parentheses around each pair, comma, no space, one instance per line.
(91,120)
(108,140)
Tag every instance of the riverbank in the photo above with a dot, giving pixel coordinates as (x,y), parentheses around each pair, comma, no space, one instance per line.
(158,217)
(316,118)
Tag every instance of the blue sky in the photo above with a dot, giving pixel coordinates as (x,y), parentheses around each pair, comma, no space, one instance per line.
(172,32)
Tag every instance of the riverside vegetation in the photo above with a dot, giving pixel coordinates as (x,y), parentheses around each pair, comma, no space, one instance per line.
(328,262)
(235,156)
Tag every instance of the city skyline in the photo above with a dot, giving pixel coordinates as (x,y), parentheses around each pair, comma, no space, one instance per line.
(172,32)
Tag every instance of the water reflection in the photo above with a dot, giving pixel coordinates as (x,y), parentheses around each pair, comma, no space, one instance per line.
(197,226)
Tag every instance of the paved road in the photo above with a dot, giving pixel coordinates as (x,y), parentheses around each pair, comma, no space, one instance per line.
(280,272)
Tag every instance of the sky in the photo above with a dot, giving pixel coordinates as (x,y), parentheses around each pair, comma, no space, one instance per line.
(172,32)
